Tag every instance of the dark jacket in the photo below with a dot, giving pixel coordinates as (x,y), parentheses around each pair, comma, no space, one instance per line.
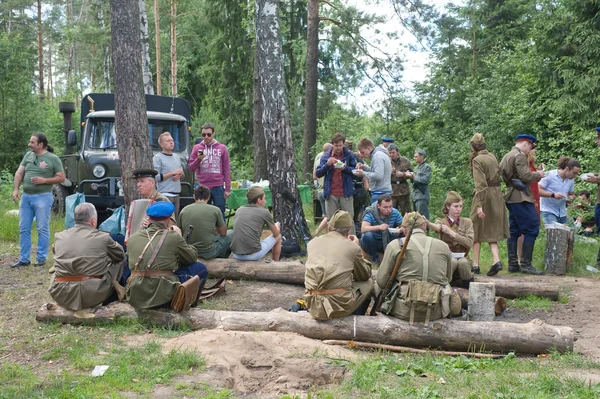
(327,170)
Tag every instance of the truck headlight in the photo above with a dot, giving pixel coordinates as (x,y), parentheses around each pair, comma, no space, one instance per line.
(99,171)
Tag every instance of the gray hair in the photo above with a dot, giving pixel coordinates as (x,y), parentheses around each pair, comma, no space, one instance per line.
(84,212)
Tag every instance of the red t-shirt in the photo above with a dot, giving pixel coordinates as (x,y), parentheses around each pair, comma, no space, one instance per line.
(337,187)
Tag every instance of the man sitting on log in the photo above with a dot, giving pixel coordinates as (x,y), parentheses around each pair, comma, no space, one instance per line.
(87,263)
(162,260)
(209,234)
(338,279)
(377,220)
(248,226)
(425,270)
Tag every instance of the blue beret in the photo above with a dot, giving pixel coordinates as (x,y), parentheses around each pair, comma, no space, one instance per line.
(528,137)
(598,129)
(387,140)
(160,210)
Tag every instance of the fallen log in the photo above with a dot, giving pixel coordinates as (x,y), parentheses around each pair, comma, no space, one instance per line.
(534,337)
(293,273)
(404,349)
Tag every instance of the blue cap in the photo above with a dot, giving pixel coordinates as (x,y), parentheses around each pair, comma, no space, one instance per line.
(598,129)
(160,210)
(387,140)
(527,137)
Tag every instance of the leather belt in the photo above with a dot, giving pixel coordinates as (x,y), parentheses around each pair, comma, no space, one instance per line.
(68,279)
(151,273)
(493,183)
(332,291)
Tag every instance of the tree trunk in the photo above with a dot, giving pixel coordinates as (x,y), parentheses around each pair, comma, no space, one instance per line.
(312,81)
(157,46)
(258,135)
(174,48)
(147,73)
(281,166)
(131,125)
(292,272)
(106,63)
(558,255)
(40,44)
(534,337)
(481,302)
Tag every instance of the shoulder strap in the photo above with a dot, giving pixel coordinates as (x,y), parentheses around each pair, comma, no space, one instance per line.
(155,252)
(425,253)
(139,259)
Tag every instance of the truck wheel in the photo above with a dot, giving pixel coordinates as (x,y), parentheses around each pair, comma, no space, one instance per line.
(59,192)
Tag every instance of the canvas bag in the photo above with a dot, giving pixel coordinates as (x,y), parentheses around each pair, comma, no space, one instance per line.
(71,203)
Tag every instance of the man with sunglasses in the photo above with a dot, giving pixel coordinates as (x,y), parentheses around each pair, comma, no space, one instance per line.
(210,160)
(523,218)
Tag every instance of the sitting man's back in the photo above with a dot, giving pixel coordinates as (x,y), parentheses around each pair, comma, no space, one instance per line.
(338,279)
(86,262)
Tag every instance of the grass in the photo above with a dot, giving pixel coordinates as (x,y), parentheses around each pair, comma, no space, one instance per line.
(532,302)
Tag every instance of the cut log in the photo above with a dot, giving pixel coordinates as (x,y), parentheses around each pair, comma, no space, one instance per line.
(293,273)
(534,337)
(499,302)
(559,250)
(481,302)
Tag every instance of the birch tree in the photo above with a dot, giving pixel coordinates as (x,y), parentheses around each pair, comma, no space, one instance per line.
(310,96)
(157,47)
(281,166)
(147,73)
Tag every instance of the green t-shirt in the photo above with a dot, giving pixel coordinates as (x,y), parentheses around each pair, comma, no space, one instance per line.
(46,165)
(247,228)
(205,218)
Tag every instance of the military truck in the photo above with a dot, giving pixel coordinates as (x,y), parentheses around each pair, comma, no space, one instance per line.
(92,164)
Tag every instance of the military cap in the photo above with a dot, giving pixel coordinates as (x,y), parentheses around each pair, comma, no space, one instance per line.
(160,210)
(144,173)
(422,152)
(452,197)
(254,192)
(393,147)
(387,140)
(340,220)
(478,139)
(413,218)
(527,137)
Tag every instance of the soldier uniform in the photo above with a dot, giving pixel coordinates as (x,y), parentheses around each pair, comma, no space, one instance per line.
(462,243)
(400,187)
(523,217)
(86,261)
(154,284)
(338,279)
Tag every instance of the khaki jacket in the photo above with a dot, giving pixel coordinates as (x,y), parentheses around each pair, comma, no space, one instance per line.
(411,268)
(464,238)
(147,292)
(400,185)
(514,165)
(85,251)
(335,262)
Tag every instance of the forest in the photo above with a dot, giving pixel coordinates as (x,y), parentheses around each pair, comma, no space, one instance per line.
(499,67)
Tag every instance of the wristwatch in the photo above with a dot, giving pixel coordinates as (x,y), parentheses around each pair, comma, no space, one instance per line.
(552,195)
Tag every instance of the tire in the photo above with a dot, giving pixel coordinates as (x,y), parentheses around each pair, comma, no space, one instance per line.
(59,192)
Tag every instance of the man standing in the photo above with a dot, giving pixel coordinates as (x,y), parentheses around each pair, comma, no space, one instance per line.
(39,170)
(337,165)
(379,173)
(163,260)
(319,181)
(421,179)
(523,219)
(338,279)
(400,187)
(87,263)
(386,142)
(210,160)
(169,170)
(426,267)
(377,220)
(248,226)
(209,235)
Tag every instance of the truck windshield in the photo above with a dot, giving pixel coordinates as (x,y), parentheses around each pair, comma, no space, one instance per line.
(101,133)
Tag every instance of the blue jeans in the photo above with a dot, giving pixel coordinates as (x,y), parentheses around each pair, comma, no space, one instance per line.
(550,218)
(38,206)
(217,198)
(371,245)
(523,220)
(597,217)
(187,272)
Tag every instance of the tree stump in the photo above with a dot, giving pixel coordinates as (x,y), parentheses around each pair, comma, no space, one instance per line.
(482,297)
(558,255)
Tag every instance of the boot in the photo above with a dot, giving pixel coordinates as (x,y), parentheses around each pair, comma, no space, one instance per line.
(467,283)
(475,270)
(513,258)
(202,284)
(496,267)
(526,256)
(119,289)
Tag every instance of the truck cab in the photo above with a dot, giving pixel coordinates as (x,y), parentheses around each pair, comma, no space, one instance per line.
(93,167)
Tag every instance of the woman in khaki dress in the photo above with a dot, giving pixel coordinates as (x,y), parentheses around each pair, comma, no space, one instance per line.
(457,232)
(488,211)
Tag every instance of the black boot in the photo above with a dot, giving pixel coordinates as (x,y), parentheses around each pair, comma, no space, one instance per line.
(467,283)
(202,284)
(475,270)
(513,258)
(526,257)
(496,267)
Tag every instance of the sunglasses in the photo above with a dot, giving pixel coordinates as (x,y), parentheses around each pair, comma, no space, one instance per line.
(206,134)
